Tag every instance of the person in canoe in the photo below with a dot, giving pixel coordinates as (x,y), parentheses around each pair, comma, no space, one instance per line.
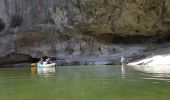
(48,60)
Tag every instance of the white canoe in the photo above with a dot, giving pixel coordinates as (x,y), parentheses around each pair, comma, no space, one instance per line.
(46,65)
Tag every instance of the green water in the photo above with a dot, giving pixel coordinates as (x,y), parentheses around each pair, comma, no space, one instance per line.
(83,83)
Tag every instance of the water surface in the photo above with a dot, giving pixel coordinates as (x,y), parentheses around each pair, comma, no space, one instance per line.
(83,83)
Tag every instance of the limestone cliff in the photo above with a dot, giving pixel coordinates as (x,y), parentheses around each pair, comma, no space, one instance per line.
(79,27)
(104,16)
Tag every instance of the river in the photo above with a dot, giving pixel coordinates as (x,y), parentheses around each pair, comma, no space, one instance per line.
(83,83)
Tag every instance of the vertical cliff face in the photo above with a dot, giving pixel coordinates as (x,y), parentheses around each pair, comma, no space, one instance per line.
(108,16)
(77,27)
(62,13)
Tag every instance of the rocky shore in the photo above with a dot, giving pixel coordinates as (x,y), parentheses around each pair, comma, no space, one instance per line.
(137,55)
(104,57)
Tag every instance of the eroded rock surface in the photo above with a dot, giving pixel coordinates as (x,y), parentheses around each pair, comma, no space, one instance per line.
(82,30)
(14,58)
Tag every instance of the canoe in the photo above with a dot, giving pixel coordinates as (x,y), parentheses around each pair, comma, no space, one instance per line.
(46,65)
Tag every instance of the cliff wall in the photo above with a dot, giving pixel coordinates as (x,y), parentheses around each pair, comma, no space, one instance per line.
(80,28)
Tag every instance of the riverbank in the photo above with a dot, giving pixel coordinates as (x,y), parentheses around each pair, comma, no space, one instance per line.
(136,54)
(108,55)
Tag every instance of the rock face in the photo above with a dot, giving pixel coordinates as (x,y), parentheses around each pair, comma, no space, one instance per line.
(159,56)
(80,28)
(104,16)
(14,58)
(153,61)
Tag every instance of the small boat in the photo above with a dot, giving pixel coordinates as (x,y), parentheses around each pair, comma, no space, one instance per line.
(46,65)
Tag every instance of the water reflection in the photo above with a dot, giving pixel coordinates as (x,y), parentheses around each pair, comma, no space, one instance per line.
(33,71)
(123,70)
(157,72)
(45,70)
(42,71)
(153,69)
(81,83)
